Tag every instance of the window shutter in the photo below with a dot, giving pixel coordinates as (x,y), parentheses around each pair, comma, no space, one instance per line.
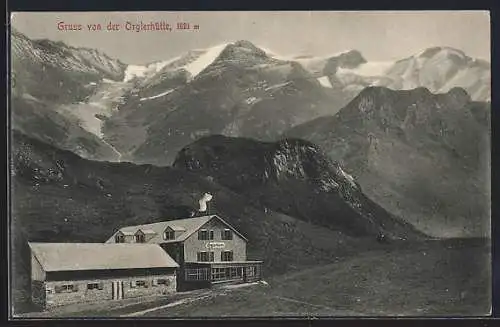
(211,234)
(75,288)
(133,284)
(155,282)
(101,286)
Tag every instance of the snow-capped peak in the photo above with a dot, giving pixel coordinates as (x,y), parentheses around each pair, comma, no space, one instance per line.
(369,69)
(303,58)
(443,51)
(133,71)
(208,56)
(194,62)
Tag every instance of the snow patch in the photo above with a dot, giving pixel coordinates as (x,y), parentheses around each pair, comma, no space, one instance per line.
(375,68)
(98,104)
(134,71)
(304,59)
(159,65)
(197,66)
(252,100)
(157,96)
(348,177)
(325,82)
(276,86)
(274,55)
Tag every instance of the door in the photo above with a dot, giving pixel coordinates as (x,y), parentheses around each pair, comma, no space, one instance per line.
(117,290)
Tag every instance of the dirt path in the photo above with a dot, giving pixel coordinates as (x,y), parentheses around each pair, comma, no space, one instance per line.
(169,305)
(190,299)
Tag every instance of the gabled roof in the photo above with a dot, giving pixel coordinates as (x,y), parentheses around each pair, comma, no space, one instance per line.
(99,256)
(147,231)
(188,225)
(127,233)
(176,228)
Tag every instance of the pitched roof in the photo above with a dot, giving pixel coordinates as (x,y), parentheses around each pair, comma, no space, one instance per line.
(188,225)
(98,256)
(127,233)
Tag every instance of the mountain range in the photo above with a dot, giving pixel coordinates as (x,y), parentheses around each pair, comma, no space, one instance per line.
(424,157)
(412,151)
(103,109)
(312,158)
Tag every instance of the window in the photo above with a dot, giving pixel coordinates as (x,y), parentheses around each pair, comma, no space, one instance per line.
(197,274)
(205,256)
(169,235)
(66,288)
(139,238)
(250,271)
(163,281)
(94,286)
(235,272)
(226,256)
(119,238)
(204,235)
(218,273)
(141,283)
(226,234)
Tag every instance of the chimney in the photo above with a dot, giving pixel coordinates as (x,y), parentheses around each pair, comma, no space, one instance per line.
(203,203)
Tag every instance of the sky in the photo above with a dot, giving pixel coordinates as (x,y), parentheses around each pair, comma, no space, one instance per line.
(380,36)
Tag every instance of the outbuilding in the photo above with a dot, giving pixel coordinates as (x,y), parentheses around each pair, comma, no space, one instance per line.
(64,273)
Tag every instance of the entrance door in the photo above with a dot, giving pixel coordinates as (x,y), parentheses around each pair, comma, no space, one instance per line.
(117,290)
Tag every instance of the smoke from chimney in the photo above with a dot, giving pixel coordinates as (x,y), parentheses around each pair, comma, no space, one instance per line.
(203,202)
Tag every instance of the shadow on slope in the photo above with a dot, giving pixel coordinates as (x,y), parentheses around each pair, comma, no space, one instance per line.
(60,197)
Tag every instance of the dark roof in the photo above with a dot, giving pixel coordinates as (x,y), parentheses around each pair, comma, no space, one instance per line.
(100,256)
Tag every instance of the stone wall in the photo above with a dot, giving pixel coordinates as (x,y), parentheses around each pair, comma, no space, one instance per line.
(82,294)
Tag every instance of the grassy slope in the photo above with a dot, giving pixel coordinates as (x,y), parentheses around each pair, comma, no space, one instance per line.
(435,279)
(59,197)
(319,265)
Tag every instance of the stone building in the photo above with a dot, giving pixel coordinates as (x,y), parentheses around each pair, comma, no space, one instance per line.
(64,273)
(208,250)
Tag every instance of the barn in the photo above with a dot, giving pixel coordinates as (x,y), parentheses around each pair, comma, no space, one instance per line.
(208,250)
(64,273)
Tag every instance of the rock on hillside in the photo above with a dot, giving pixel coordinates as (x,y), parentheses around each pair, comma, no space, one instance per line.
(293,177)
